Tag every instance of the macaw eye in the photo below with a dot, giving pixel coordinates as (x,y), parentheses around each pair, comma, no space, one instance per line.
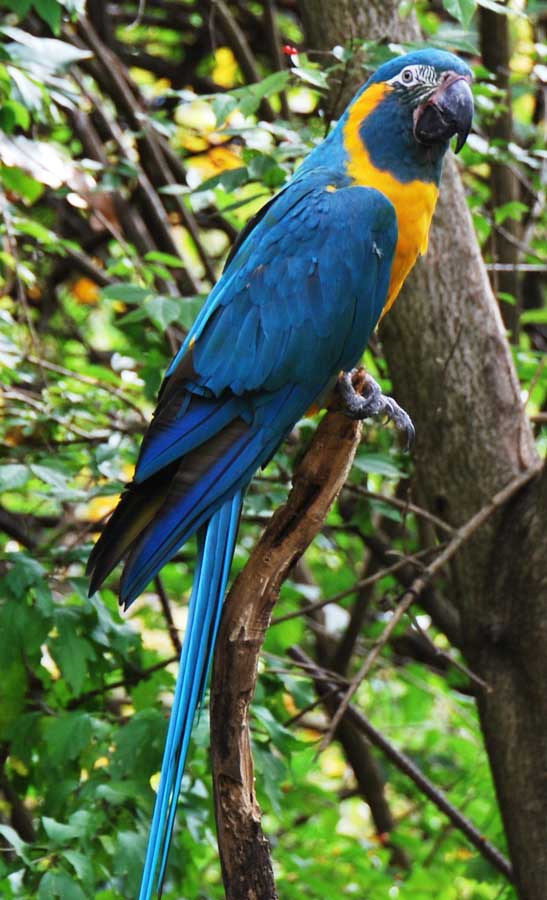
(407,76)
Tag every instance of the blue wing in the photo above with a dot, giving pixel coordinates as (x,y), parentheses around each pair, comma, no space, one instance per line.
(295,305)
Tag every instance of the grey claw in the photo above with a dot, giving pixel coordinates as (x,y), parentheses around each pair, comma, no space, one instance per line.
(374,403)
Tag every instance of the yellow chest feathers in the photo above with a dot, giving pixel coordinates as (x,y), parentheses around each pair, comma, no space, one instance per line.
(414,201)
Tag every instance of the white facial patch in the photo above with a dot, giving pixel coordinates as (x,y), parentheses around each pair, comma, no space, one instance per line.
(414,76)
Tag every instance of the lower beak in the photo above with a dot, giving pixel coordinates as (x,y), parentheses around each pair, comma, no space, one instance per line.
(448,112)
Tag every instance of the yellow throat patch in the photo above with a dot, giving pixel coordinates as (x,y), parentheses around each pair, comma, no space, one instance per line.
(414,201)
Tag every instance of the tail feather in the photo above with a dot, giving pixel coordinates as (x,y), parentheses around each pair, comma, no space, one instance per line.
(216,547)
(138,506)
(179,430)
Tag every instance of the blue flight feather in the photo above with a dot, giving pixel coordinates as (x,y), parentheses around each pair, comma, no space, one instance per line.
(199,420)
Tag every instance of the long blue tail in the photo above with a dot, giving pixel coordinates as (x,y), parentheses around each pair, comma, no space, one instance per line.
(216,542)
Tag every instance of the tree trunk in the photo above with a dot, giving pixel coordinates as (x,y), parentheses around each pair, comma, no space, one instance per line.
(452,370)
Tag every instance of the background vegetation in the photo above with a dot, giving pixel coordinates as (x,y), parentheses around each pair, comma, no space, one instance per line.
(135,142)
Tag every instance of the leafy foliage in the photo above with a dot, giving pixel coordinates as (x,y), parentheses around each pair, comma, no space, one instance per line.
(105,260)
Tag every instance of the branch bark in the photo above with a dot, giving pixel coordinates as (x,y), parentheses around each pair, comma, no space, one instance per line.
(244,851)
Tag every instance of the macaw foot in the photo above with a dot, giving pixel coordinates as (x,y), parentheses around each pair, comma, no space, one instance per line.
(371,402)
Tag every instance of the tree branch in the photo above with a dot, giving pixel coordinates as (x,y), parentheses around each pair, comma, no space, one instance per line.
(246,863)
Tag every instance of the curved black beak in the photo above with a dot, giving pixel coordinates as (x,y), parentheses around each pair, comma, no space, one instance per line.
(448,112)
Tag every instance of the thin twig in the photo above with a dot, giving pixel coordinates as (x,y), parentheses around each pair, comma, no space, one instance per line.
(115,76)
(364,582)
(534,380)
(14,251)
(88,379)
(274,39)
(461,536)
(166,609)
(162,156)
(130,679)
(406,765)
(442,654)
(28,400)
(404,505)
(516,267)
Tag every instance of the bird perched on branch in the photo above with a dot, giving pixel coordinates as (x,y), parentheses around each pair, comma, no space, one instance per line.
(302,290)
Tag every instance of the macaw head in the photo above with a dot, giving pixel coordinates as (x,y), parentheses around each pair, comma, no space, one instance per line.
(410,109)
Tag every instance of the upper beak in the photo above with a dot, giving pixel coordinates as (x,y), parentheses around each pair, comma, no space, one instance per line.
(449,111)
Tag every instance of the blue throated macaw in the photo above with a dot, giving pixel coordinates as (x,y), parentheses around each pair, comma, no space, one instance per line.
(301,292)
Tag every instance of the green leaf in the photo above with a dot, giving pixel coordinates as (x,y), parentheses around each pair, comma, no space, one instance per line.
(13,476)
(139,743)
(82,865)
(281,737)
(271,772)
(13,689)
(21,847)
(512,210)
(223,106)
(21,7)
(29,92)
(247,99)
(50,12)
(67,736)
(59,885)
(50,476)
(229,180)
(14,179)
(131,848)
(71,651)
(534,317)
(167,259)
(163,310)
(377,464)
(136,315)
(118,792)
(58,832)
(41,53)
(127,293)
(19,113)
(272,84)
(24,571)
(311,76)
(462,10)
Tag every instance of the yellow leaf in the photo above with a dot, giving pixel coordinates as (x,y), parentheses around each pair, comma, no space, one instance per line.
(18,766)
(86,291)
(217,160)
(225,71)
(99,507)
